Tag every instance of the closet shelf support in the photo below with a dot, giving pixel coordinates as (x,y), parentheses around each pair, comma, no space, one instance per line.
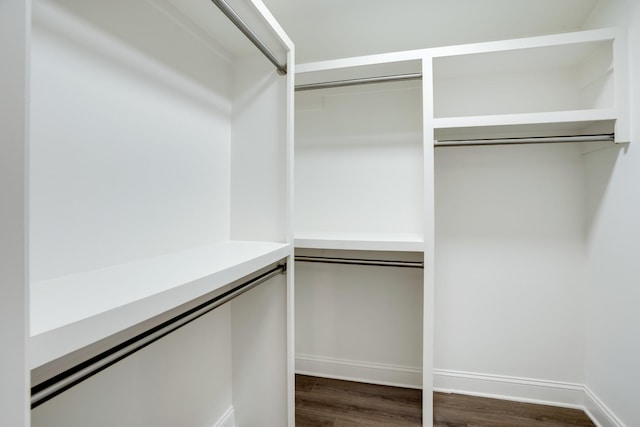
(251,35)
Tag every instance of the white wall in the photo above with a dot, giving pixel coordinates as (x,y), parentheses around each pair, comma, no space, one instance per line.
(258,152)
(359,159)
(613,276)
(508,91)
(127,137)
(510,263)
(359,322)
(14,386)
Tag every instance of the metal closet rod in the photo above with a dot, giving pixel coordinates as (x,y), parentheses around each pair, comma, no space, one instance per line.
(358,261)
(52,387)
(251,35)
(356,82)
(607,137)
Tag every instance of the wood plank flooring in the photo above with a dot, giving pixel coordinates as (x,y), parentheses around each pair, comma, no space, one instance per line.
(323,402)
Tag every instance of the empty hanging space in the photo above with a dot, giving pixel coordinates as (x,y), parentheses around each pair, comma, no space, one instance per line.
(552,86)
(510,266)
(158,175)
(359,315)
(359,223)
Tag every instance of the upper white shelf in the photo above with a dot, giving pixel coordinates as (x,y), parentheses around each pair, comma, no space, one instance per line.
(556,85)
(554,123)
(71,312)
(402,242)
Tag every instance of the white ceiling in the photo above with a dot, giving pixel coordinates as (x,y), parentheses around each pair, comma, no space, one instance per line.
(326,29)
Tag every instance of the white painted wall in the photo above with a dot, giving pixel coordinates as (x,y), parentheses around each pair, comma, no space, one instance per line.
(455,96)
(258,152)
(612,315)
(359,322)
(14,40)
(510,260)
(358,159)
(127,139)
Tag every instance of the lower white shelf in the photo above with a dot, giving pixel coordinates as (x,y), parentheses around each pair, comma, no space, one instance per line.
(71,312)
(403,242)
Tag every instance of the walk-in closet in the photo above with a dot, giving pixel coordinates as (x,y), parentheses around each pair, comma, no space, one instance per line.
(421,208)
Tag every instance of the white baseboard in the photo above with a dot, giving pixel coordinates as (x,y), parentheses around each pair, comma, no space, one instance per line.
(351,370)
(545,392)
(555,393)
(227,419)
(599,413)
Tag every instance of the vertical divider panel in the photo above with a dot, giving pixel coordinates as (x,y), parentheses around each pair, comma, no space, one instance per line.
(259,363)
(429,242)
(258,152)
(262,210)
(14,51)
(621,70)
(290,274)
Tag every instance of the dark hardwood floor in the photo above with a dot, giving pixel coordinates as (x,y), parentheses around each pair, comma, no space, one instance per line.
(326,402)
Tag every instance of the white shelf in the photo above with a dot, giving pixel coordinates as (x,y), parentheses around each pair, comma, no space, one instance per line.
(71,312)
(556,85)
(401,242)
(555,123)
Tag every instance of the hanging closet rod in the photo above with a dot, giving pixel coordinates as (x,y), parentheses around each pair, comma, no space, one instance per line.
(52,387)
(356,261)
(356,82)
(251,35)
(608,137)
